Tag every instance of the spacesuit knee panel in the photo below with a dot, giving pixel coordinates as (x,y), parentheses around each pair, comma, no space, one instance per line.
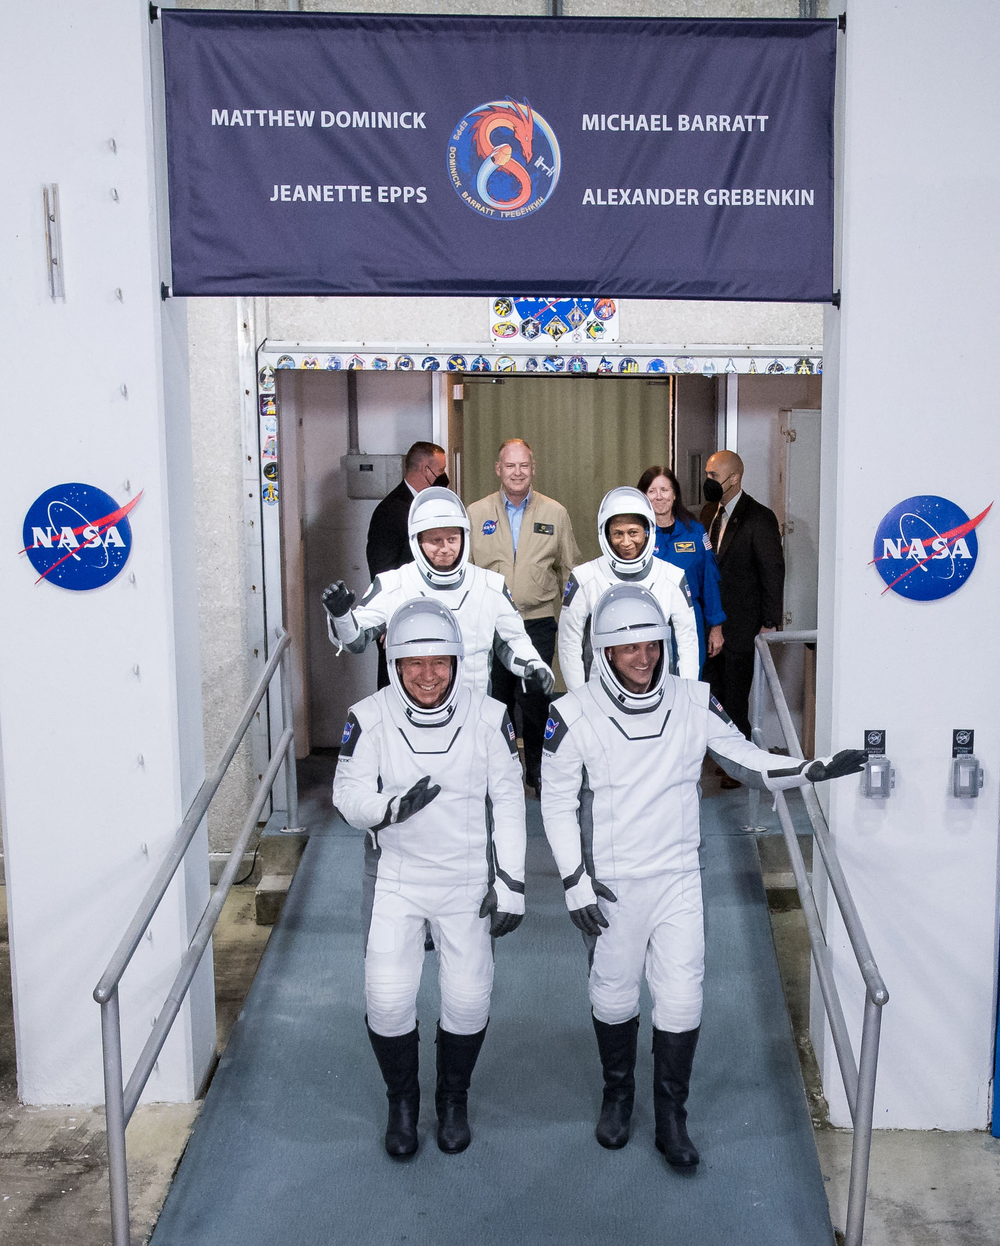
(613,1003)
(465,998)
(391,987)
(678,1010)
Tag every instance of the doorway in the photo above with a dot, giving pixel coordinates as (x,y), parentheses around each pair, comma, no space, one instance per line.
(588,433)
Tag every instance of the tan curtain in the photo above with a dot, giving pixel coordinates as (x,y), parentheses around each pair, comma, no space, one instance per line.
(589,434)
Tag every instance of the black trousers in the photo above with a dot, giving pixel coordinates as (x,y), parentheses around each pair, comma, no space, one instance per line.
(533,706)
(730,676)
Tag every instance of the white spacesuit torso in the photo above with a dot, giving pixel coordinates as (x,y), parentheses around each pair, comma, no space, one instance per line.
(480,602)
(668,585)
(620,789)
(447,843)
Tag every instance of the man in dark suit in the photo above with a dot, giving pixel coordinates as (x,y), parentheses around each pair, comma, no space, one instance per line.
(388,540)
(388,543)
(747,543)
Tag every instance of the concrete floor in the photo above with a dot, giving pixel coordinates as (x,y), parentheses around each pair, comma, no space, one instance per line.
(926,1189)
(53,1170)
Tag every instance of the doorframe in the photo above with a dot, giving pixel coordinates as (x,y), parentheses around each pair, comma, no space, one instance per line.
(262,517)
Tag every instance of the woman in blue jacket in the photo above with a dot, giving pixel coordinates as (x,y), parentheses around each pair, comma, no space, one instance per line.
(682,540)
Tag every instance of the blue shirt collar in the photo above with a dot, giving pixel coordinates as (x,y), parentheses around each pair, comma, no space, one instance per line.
(509,505)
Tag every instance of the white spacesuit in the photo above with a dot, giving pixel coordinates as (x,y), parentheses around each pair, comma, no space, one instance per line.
(620,804)
(419,778)
(666,582)
(478,598)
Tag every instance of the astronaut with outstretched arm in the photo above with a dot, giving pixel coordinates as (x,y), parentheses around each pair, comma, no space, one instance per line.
(620,803)
(439,539)
(418,763)
(626,529)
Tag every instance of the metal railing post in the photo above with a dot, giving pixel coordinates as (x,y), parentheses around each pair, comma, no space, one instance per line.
(114,1105)
(121,1100)
(863,1115)
(756,731)
(287,715)
(859,1079)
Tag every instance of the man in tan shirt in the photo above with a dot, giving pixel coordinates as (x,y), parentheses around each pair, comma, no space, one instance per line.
(528,539)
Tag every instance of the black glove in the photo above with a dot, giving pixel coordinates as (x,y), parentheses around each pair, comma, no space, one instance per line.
(847,761)
(539,678)
(402,807)
(590,919)
(338,600)
(500,923)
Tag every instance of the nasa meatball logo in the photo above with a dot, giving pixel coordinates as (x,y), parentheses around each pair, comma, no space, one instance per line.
(489,527)
(77,536)
(348,728)
(926,547)
(550,728)
(503,160)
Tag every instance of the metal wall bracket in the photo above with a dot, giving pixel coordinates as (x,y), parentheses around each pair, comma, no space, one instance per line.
(53,242)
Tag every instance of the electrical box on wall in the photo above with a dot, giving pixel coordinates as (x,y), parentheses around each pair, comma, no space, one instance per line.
(372,475)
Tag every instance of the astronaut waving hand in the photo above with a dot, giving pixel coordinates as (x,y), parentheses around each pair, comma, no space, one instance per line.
(418,762)
(626,529)
(439,539)
(620,773)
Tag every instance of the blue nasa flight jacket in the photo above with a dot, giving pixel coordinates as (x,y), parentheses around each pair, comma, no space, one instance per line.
(687,547)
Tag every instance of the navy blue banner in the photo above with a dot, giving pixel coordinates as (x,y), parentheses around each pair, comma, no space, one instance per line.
(645,158)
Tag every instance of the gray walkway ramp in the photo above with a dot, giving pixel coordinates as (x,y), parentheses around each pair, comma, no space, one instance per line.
(288,1146)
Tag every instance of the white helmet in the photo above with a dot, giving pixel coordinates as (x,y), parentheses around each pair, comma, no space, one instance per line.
(624,615)
(421,628)
(627,501)
(438,508)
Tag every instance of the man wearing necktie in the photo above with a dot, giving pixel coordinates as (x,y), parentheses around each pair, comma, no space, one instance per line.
(747,542)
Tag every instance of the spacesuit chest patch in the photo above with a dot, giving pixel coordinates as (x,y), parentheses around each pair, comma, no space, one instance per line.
(352,733)
(545,529)
(555,730)
(489,527)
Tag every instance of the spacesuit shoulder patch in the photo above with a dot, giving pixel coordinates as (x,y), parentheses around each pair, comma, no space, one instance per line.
(507,594)
(509,734)
(555,731)
(686,590)
(718,711)
(351,736)
(572,584)
(371,591)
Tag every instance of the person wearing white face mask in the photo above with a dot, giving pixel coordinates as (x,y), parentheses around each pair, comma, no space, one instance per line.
(626,529)
(418,763)
(620,805)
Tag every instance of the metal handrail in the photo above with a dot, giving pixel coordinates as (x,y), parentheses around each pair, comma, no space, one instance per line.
(120,1100)
(859,1077)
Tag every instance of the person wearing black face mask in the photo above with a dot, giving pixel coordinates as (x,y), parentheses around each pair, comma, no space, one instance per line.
(388,537)
(746,540)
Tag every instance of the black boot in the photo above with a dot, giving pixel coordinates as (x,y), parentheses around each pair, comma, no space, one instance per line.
(456,1058)
(398,1060)
(616,1044)
(673,1055)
